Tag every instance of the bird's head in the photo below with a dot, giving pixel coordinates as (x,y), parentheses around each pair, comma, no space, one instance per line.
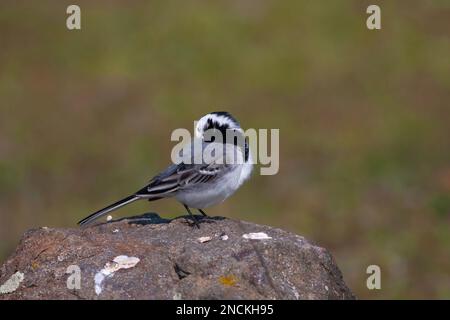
(220,121)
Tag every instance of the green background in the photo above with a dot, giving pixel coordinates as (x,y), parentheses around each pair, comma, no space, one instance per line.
(86,118)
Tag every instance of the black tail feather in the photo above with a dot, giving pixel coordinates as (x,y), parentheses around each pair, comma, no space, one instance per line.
(109,208)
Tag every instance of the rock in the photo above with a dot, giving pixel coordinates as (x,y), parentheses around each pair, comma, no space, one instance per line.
(147,257)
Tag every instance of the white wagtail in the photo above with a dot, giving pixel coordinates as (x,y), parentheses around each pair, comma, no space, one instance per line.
(199,184)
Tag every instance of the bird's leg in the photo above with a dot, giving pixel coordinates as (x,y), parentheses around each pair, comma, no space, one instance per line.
(193,217)
(202,212)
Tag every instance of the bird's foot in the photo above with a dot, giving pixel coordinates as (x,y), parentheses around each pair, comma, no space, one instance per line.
(194,222)
(192,216)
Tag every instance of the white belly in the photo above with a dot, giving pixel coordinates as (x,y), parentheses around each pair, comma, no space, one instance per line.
(207,194)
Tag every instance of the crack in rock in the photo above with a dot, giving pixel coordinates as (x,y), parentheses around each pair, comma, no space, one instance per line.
(180,272)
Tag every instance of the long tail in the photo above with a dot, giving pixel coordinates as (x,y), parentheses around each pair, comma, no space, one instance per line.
(109,208)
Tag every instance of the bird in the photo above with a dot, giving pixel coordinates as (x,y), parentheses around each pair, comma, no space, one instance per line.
(198,185)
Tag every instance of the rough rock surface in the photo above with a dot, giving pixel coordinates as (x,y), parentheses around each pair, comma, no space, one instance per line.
(147,257)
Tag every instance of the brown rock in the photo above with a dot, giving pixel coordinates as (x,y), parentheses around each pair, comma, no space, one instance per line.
(170,259)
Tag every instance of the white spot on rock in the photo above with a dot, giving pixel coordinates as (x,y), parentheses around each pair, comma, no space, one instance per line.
(204,239)
(12,283)
(224,237)
(326,288)
(119,262)
(256,236)
(177,296)
(296,294)
(115,230)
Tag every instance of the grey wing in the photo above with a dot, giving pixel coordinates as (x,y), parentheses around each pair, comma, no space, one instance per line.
(182,176)
(187,174)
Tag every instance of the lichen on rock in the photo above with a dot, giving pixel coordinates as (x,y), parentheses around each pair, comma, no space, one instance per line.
(13,283)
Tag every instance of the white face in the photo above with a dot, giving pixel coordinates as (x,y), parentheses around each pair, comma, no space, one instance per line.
(215,120)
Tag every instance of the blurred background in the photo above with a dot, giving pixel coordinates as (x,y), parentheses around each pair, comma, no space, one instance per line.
(86,117)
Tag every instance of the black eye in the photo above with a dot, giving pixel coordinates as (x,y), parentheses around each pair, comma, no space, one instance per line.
(210,136)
